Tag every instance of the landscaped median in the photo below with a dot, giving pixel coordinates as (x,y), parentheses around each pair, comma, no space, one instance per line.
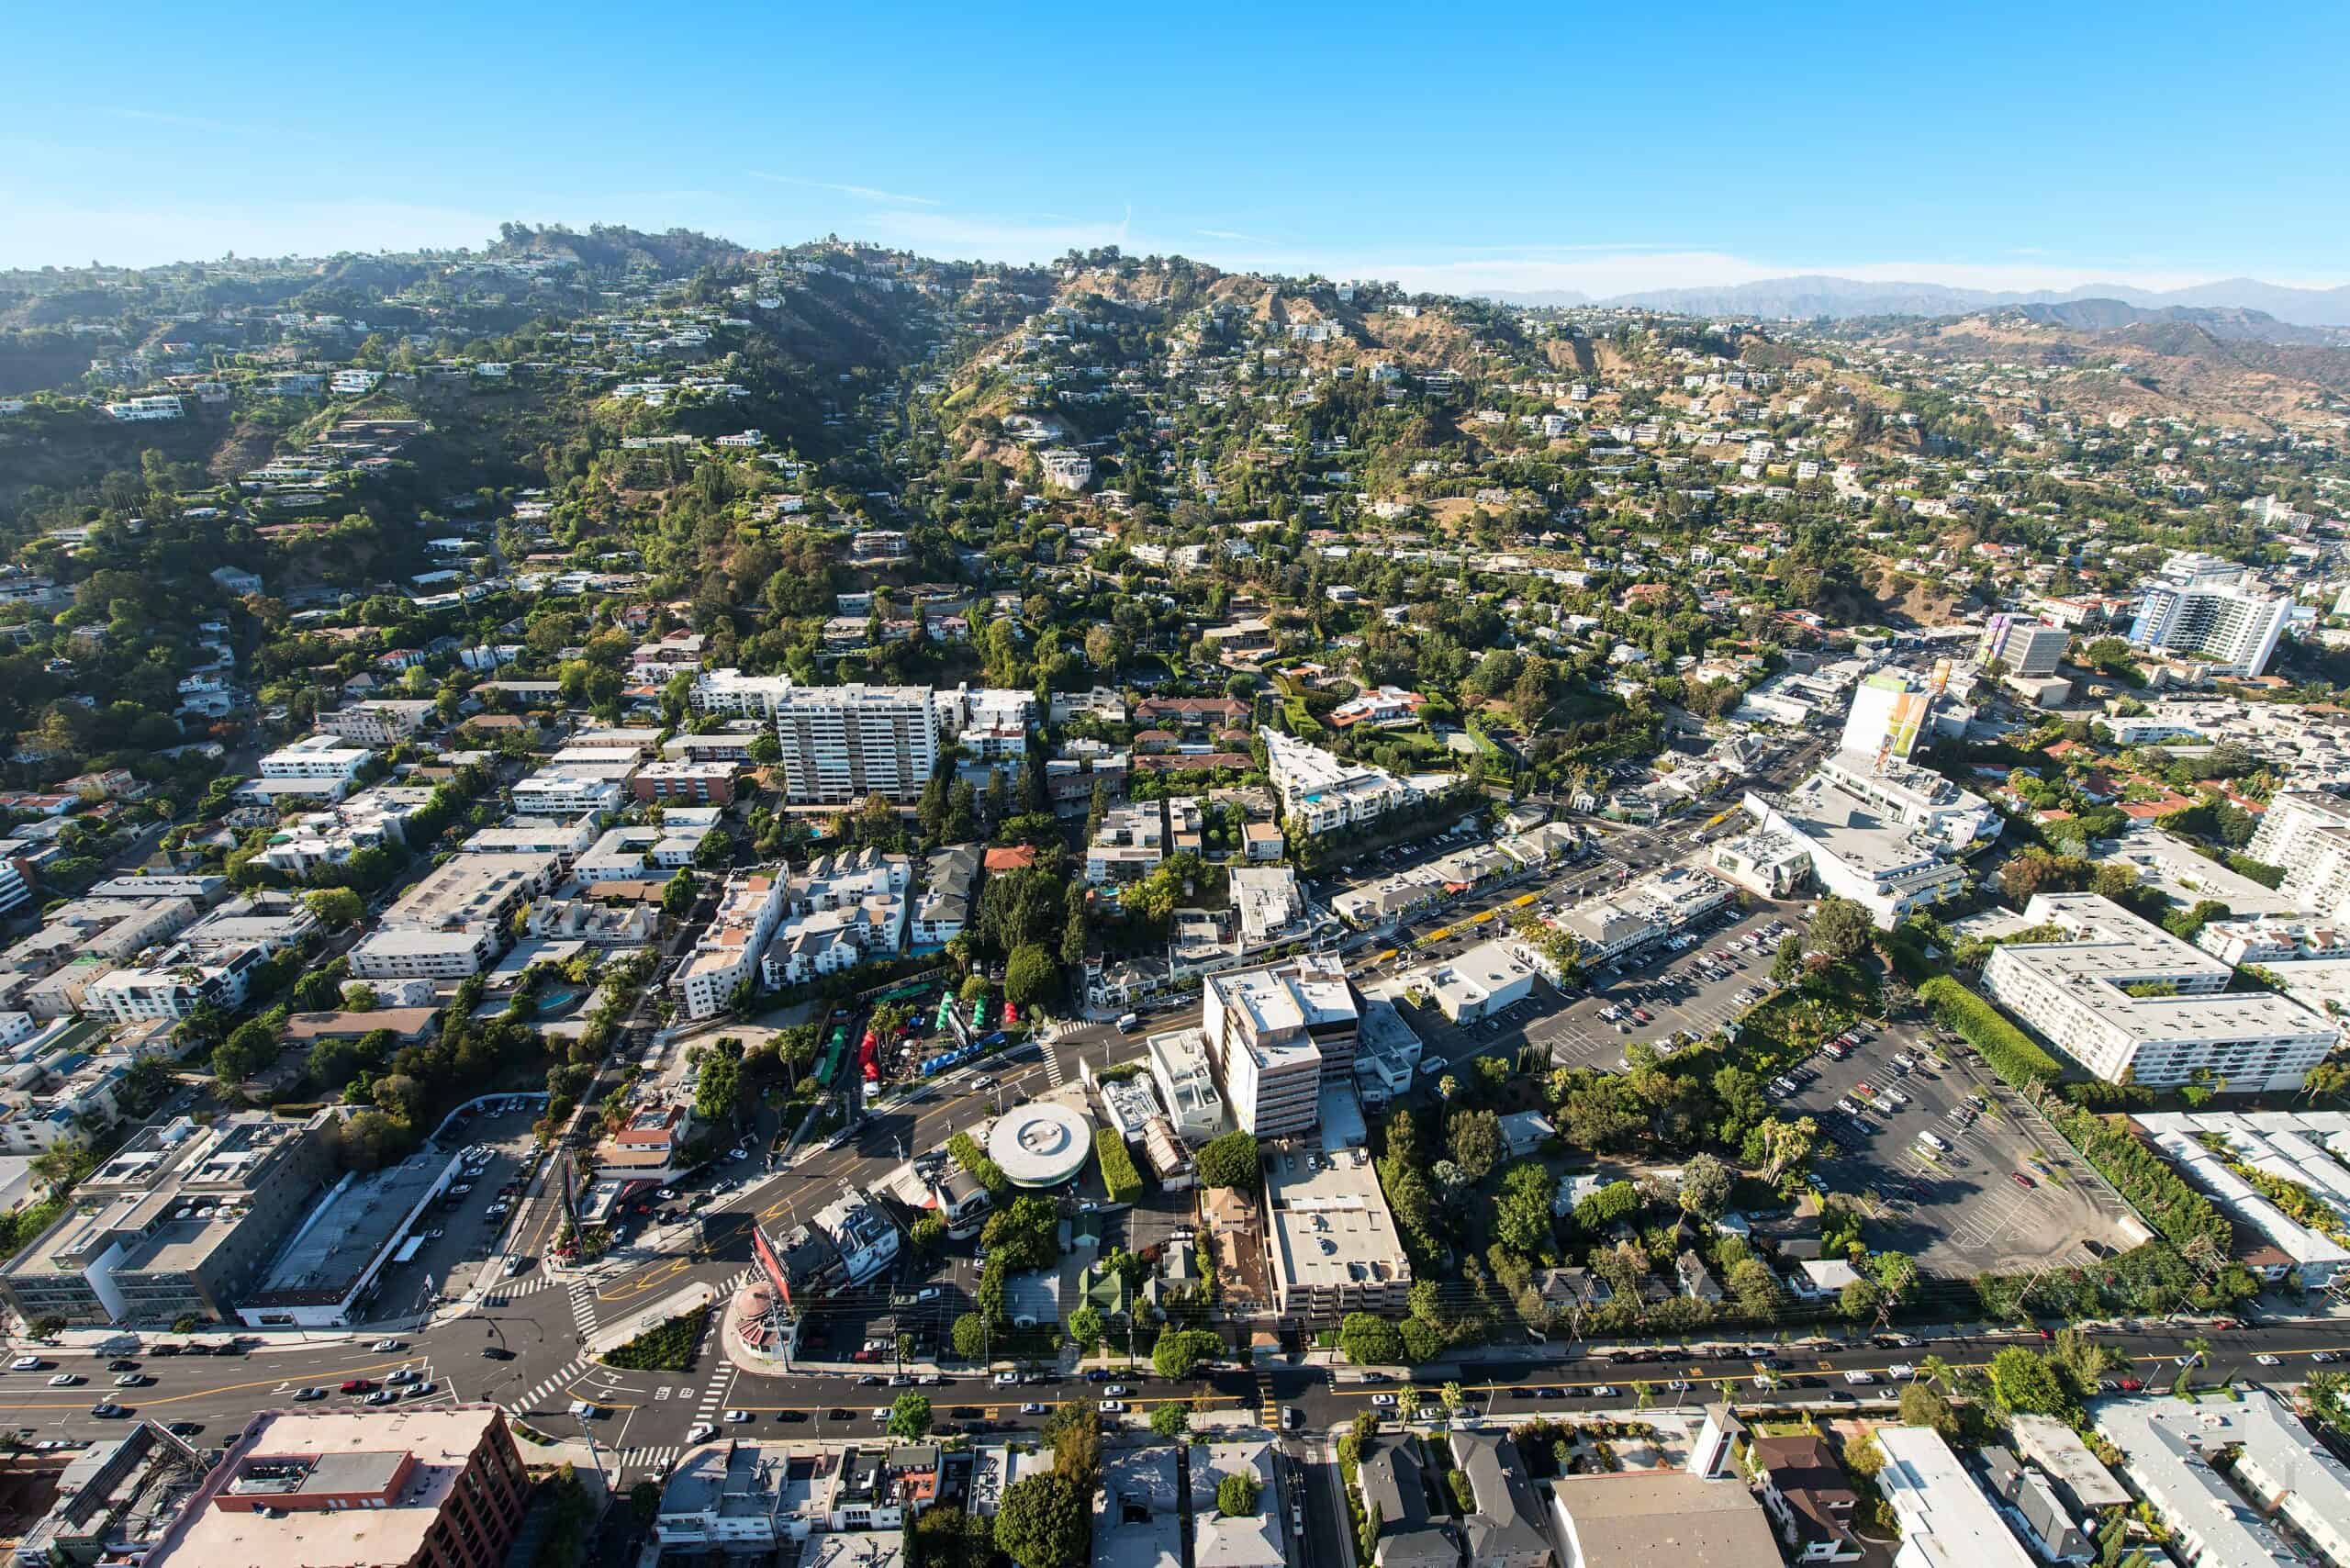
(663,1338)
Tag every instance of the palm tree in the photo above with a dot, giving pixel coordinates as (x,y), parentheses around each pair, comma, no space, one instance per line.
(2197,1350)
(1407,1406)
(1449,1394)
(1934,1370)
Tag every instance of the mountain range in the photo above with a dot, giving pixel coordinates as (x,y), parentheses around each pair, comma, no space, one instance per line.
(1816,295)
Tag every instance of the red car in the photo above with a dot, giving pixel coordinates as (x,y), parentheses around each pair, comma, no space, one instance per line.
(2130,1385)
(2021,1179)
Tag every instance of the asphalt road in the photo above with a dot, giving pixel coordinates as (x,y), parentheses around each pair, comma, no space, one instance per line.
(646,1415)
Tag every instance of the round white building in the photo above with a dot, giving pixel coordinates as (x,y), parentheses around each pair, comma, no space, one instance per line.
(1041,1144)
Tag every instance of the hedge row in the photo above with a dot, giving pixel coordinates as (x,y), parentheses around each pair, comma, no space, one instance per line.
(2147,1180)
(1118,1173)
(2007,1049)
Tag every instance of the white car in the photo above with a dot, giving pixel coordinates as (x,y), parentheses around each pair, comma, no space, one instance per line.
(1113,1407)
(1604,1391)
(1901,1369)
(734,1417)
(64,1379)
(1859,1377)
(1006,1380)
(701,1434)
(1117,1390)
(2265,1358)
(1032,1408)
(388,1345)
(1383,1401)
(26,1364)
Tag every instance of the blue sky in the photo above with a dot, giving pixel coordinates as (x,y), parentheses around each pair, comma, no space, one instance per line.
(1595,147)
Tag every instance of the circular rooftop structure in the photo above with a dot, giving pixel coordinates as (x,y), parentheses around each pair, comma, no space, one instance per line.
(1041,1144)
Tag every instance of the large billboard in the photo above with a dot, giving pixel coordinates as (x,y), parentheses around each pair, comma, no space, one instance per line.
(771,1264)
(1906,717)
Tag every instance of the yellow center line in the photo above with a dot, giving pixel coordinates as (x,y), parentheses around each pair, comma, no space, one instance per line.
(344,1373)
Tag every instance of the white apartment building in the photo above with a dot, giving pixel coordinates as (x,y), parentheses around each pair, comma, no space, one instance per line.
(139,410)
(2167,1448)
(1129,844)
(376,723)
(638,854)
(1330,1236)
(743,696)
(179,980)
(2308,835)
(317,756)
(843,742)
(1321,792)
(1179,1066)
(1946,1520)
(2215,610)
(728,950)
(453,922)
(847,909)
(2272,940)
(1274,1033)
(991,723)
(330,837)
(2078,993)
(569,789)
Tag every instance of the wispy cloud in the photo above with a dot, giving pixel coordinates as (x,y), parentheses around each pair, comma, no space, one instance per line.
(134,236)
(862,193)
(998,239)
(204,123)
(1231,234)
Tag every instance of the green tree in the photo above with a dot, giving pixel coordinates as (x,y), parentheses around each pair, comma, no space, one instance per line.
(2023,1381)
(1840,930)
(1369,1341)
(1231,1160)
(1925,1406)
(335,907)
(717,1087)
(1179,1353)
(1236,1495)
(1705,1185)
(1029,976)
(1085,1327)
(765,749)
(910,1417)
(970,1335)
(1169,1420)
(1474,1140)
(677,895)
(1040,1522)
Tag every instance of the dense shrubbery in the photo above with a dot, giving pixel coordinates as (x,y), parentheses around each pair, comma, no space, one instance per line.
(1118,1173)
(2007,1049)
(665,1346)
(2143,1177)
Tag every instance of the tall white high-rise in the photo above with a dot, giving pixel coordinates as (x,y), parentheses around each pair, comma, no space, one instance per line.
(2213,608)
(843,742)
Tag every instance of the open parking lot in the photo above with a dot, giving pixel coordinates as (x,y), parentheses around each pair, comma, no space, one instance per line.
(1960,1209)
(1696,990)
